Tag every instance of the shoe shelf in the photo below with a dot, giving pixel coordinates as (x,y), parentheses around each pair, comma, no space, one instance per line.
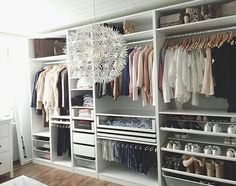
(220,157)
(83,118)
(198,132)
(220,180)
(196,140)
(220,22)
(198,112)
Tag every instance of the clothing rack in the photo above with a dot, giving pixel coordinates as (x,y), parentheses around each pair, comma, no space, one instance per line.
(60,125)
(203,32)
(144,147)
(140,42)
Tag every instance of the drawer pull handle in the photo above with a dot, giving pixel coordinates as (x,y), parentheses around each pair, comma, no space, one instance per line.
(0,146)
(0,163)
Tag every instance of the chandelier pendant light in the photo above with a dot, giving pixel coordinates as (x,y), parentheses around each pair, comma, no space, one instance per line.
(96,53)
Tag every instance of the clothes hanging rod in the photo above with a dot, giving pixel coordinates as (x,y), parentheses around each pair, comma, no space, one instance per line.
(202,32)
(141,41)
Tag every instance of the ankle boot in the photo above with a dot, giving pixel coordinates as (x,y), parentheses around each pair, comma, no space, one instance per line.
(210,167)
(188,163)
(199,164)
(219,168)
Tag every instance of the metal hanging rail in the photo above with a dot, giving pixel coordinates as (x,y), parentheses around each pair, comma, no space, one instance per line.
(203,32)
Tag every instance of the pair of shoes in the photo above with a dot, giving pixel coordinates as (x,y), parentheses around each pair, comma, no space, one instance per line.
(231,129)
(215,150)
(173,145)
(231,153)
(181,135)
(193,164)
(215,168)
(212,128)
(190,147)
(173,162)
(172,124)
(192,125)
(230,141)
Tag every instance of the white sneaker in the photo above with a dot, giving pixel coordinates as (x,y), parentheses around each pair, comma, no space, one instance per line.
(169,145)
(217,128)
(208,149)
(216,150)
(230,153)
(231,129)
(195,148)
(188,147)
(208,127)
(176,145)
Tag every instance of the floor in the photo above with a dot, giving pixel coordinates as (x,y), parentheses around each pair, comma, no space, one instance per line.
(54,177)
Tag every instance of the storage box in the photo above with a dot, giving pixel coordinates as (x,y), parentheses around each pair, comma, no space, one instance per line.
(48,47)
(228,9)
(173,181)
(83,162)
(170,20)
(23,181)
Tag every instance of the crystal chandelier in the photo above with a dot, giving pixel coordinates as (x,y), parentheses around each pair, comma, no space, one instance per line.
(96,53)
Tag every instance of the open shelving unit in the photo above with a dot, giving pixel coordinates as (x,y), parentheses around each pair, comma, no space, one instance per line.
(147,32)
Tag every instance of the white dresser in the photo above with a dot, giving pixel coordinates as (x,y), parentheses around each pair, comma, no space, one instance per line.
(6,149)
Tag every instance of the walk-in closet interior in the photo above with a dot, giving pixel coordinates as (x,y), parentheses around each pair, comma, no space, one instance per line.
(168,118)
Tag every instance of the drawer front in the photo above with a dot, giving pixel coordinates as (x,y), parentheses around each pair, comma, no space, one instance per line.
(84,150)
(83,138)
(4,144)
(4,162)
(4,132)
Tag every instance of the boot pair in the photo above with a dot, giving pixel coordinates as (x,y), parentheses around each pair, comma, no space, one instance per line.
(193,164)
(215,168)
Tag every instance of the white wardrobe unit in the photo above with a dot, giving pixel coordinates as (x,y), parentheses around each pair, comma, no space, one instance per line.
(87,144)
(6,147)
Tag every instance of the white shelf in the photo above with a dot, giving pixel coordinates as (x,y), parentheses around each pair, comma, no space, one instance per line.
(83,130)
(50,58)
(221,180)
(42,134)
(126,128)
(60,117)
(42,141)
(65,163)
(130,114)
(81,118)
(198,154)
(42,159)
(213,141)
(43,151)
(137,36)
(81,107)
(220,22)
(198,132)
(128,176)
(132,139)
(198,112)
(127,133)
(60,122)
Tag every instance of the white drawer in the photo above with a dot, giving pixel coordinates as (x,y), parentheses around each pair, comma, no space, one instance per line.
(84,150)
(83,138)
(4,162)
(4,130)
(4,144)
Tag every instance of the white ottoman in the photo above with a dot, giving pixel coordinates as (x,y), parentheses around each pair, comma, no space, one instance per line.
(23,181)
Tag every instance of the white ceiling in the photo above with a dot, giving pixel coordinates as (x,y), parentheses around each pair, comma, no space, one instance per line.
(27,17)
